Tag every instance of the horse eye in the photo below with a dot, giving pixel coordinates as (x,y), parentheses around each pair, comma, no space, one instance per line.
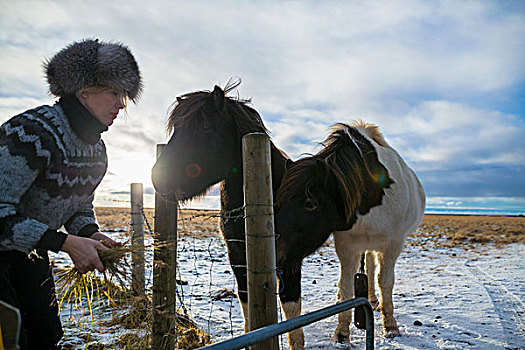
(310,204)
(206,127)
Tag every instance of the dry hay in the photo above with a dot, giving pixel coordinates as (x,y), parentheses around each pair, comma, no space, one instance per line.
(88,292)
(139,316)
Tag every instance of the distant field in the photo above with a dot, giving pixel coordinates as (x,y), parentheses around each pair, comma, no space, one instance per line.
(443,230)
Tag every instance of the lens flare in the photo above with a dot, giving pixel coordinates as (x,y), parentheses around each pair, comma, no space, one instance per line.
(193,170)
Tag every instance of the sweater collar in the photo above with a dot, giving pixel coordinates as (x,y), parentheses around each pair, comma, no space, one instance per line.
(84,124)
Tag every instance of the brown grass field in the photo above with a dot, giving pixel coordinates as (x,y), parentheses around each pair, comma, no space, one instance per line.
(435,230)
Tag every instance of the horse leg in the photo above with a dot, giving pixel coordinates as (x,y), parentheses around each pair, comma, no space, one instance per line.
(237,258)
(290,296)
(242,293)
(371,273)
(386,278)
(349,260)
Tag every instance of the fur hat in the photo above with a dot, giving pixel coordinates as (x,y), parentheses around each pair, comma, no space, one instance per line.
(92,63)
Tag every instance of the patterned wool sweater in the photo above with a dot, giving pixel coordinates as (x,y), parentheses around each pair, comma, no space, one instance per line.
(51,161)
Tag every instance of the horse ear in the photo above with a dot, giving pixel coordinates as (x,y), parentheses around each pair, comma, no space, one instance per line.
(289,164)
(321,169)
(218,98)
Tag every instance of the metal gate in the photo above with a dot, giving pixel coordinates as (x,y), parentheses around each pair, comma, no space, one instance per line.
(276,329)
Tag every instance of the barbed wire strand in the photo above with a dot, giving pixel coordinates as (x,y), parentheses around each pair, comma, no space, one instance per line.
(234,214)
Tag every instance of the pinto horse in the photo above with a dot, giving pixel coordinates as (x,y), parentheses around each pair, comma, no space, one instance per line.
(206,148)
(358,188)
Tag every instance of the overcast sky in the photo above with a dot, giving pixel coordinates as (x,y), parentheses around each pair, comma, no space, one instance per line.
(444,80)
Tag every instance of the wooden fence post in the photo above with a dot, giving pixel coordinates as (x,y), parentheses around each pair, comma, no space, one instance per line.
(138,283)
(164,272)
(260,237)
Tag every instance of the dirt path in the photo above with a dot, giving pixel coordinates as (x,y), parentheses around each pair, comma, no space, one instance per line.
(505,300)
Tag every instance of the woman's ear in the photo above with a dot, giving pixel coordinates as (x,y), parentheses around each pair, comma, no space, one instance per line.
(84,94)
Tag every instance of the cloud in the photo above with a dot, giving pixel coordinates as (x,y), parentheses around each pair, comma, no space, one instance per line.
(454,148)
(486,182)
(463,150)
(444,133)
(433,75)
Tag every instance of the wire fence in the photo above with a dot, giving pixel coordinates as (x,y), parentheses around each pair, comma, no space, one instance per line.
(206,287)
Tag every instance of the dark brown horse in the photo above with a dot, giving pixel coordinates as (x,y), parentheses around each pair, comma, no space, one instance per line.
(205,148)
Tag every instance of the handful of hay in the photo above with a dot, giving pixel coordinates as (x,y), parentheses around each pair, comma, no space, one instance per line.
(108,288)
(112,288)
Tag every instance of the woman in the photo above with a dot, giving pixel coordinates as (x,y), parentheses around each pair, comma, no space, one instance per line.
(51,160)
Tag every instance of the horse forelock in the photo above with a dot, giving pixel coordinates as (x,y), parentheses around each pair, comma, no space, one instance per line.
(347,180)
(184,109)
(191,105)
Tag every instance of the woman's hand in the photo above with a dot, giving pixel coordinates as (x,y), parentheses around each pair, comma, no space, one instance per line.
(108,242)
(84,253)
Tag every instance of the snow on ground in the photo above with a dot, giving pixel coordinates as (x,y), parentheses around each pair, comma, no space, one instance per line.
(461,299)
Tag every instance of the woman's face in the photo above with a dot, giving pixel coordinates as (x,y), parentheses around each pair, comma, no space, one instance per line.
(104,105)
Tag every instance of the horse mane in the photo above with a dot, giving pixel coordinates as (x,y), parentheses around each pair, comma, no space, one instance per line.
(298,179)
(371,130)
(186,107)
(346,164)
(345,156)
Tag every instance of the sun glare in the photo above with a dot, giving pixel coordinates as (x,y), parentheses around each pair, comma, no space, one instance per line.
(124,169)
(132,167)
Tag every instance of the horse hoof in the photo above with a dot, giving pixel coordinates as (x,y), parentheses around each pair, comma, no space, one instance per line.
(341,338)
(392,333)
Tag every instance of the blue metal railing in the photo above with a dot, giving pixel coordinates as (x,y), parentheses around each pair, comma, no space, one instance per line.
(276,329)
